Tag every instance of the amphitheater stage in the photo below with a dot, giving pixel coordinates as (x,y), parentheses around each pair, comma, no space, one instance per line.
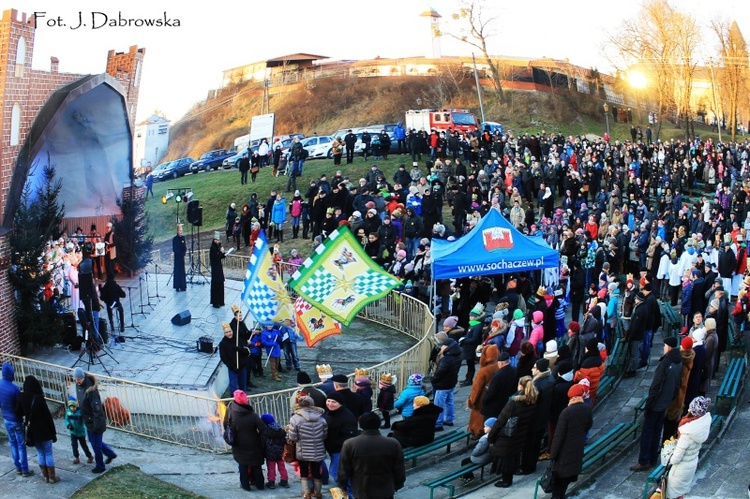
(158,353)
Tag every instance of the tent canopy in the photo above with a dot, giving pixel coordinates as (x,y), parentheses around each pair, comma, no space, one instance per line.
(494,246)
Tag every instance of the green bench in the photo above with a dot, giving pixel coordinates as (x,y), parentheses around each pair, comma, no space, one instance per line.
(605,385)
(656,475)
(620,328)
(640,408)
(444,440)
(730,386)
(598,450)
(616,360)
(671,322)
(447,479)
(735,339)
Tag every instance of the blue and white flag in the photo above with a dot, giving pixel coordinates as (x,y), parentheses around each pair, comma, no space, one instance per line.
(264,293)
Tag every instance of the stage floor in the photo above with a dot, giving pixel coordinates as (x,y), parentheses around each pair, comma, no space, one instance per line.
(155,351)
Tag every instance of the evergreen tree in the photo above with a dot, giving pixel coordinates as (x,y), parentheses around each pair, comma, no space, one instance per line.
(34,223)
(134,243)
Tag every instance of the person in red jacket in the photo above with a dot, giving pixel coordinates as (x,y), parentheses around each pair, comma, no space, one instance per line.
(592,368)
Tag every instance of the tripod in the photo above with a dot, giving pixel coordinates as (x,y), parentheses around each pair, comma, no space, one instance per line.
(156,279)
(94,348)
(140,293)
(196,266)
(130,302)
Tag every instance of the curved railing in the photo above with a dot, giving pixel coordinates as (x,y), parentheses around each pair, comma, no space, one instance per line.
(184,418)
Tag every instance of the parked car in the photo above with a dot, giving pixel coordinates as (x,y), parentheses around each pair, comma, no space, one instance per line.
(172,169)
(233,161)
(210,160)
(493,126)
(318,147)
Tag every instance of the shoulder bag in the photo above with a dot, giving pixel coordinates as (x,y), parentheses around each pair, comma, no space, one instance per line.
(547,481)
(228,430)
(27,433)
(511,426)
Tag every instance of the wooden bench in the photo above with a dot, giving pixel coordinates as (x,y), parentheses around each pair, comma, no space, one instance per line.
(656,475)
(616,360)
(598,450)
(735,340)
(447,479)
(671,322)
(605,385)
(444,440)
(640,408)
(730,386)
(620,328)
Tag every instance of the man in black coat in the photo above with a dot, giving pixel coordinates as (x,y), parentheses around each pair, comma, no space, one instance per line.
(373,463)
(243,164)
(653,321)
(351,400)
(92,412)
(235,354)
(664,387)
(634,334)
(502,385)
(545,385)
(350,140)
(444,380)
(566,449)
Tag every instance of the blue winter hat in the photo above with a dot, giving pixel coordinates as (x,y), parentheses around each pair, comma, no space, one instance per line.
(72,401)
(490,422)
(415,379)
(267,418)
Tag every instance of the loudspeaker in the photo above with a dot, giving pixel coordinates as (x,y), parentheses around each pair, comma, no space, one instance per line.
(205,344)
(182,319)
(195,212)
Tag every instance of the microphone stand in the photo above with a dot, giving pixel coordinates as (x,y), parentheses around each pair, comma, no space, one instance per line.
(156,279)
(130,303)
(148,292)
(140,293)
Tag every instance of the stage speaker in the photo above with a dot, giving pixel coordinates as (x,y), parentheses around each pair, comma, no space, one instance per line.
(195,212)
(182,319)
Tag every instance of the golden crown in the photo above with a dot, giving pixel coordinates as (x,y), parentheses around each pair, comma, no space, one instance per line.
(324,371)
(386,378)
(235,309)
(360,373)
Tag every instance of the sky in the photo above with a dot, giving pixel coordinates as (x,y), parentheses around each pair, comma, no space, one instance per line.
(183,63)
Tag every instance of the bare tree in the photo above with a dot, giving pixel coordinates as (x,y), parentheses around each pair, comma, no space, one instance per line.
(687,41)
(732,75)
(474,27)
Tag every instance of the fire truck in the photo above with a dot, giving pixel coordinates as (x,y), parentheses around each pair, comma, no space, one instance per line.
(441,119)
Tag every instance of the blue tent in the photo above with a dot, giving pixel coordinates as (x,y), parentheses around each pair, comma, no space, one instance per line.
(494,246)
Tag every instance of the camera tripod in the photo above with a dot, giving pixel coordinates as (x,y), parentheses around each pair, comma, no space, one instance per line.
(94,347)
(196,265)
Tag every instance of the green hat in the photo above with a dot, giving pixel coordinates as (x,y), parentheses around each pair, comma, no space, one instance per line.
(518,314)
(477,310)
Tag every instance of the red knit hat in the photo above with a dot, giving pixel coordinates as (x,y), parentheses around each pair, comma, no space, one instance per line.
(687,343)
(574,327)
(576,391)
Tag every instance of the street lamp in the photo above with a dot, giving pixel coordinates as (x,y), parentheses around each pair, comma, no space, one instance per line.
(606,116)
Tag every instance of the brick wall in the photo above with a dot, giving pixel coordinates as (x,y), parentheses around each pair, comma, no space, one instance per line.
(8,332)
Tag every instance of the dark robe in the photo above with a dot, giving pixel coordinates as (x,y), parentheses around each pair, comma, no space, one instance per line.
(216,255)
(179,247)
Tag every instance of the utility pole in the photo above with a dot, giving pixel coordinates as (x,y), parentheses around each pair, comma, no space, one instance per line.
(479,89)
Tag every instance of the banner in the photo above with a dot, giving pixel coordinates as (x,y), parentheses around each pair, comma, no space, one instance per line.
(340,279)
(264,293)
(314,324)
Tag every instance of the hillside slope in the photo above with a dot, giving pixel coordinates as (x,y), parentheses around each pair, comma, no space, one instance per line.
(326,105)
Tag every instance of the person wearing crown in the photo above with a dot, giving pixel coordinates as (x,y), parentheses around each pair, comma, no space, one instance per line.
(242,333)
(386,397)
(325,373)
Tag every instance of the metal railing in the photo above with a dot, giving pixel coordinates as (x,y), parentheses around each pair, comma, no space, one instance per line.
(195,421)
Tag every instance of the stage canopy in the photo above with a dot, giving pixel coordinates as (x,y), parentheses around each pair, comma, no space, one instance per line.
(84,132)
(494,246)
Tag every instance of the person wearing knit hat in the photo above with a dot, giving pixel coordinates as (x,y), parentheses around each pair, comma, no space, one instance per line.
(420,401)
(90,404)
(405,400)
(77,429)
(576,391)
(686,343)
(418,428)
(694,431)
(591,367)
(698,335)
(550,352)
(471,340)
(664,385)
(674,410)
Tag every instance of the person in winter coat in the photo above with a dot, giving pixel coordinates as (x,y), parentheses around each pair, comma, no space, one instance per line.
(278,216)
(696,371)
(488,366)
(501,387)
(247,448)
(711,342)
(372,463)
(575,344)
(444,380)
(273,442)
(675,410)
(386,396)
(309,429)
(537,332)
(664,387)
(563,375)
(405,401)
(419,428)
(515,335)
(92,412)
(526,360)
(592,368)
(471,340)
(341,425)
(634,334)
(74,424)
(235,353)
(693,431)
(9,394)
(32,410)
(271,339)
(566,449)
(480,454)
(506,450)
(545,385)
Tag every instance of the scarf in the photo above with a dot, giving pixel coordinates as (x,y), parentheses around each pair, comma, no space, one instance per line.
(686,420)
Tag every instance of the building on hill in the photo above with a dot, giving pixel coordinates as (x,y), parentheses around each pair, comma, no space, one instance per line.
(276,68)
(83,122)
(150,142)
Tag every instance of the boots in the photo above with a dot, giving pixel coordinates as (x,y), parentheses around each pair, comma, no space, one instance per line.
(317,487)
(284,484)
(76,460)
(90,459)
(275,369)
(305,488)
(280,235)
(295,232)
(44,473)
(51,475)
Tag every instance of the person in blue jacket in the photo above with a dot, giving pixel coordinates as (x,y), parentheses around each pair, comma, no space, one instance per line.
(399,133)
(271,339)
(405,401)
(9,394)
(278,216)
(289,339)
